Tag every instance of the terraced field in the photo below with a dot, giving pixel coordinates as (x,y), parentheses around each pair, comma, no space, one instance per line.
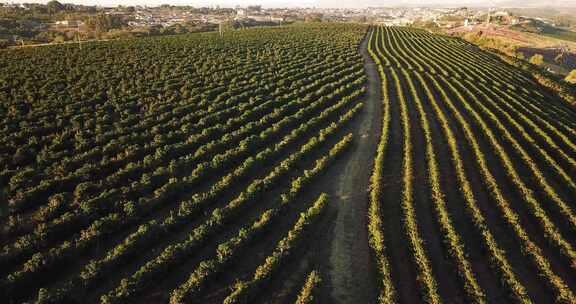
(310,163)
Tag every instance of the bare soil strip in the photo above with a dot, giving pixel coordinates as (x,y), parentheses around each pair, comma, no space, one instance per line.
(351,269)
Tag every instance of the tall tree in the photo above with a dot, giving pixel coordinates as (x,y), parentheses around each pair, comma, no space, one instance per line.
(537,59)
(571,78)
(54,7)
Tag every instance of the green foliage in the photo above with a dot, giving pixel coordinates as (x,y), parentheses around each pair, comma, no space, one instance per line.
(537,59)
(102,23)
(571,77)
(244,291)
(469,90)
(307,293)
(97,140)
(54,6)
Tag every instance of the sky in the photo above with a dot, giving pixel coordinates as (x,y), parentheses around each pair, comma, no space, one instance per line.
(318,3)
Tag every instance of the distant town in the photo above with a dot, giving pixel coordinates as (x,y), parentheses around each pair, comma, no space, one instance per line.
(55,22)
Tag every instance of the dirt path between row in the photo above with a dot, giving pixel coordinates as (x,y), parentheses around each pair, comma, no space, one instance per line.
(351,269)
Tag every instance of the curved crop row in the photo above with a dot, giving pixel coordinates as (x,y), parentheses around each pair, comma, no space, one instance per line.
(245,291)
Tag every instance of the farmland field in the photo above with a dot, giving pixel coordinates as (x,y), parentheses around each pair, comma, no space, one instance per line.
(472,195)
(328,163)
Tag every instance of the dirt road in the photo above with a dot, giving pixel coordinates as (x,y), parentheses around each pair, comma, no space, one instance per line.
(351,269)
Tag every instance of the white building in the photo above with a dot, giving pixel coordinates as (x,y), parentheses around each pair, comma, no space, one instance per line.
(241,12)
(68,23)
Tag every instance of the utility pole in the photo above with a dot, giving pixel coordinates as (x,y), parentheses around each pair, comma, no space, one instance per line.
(78,35)
(490,9)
